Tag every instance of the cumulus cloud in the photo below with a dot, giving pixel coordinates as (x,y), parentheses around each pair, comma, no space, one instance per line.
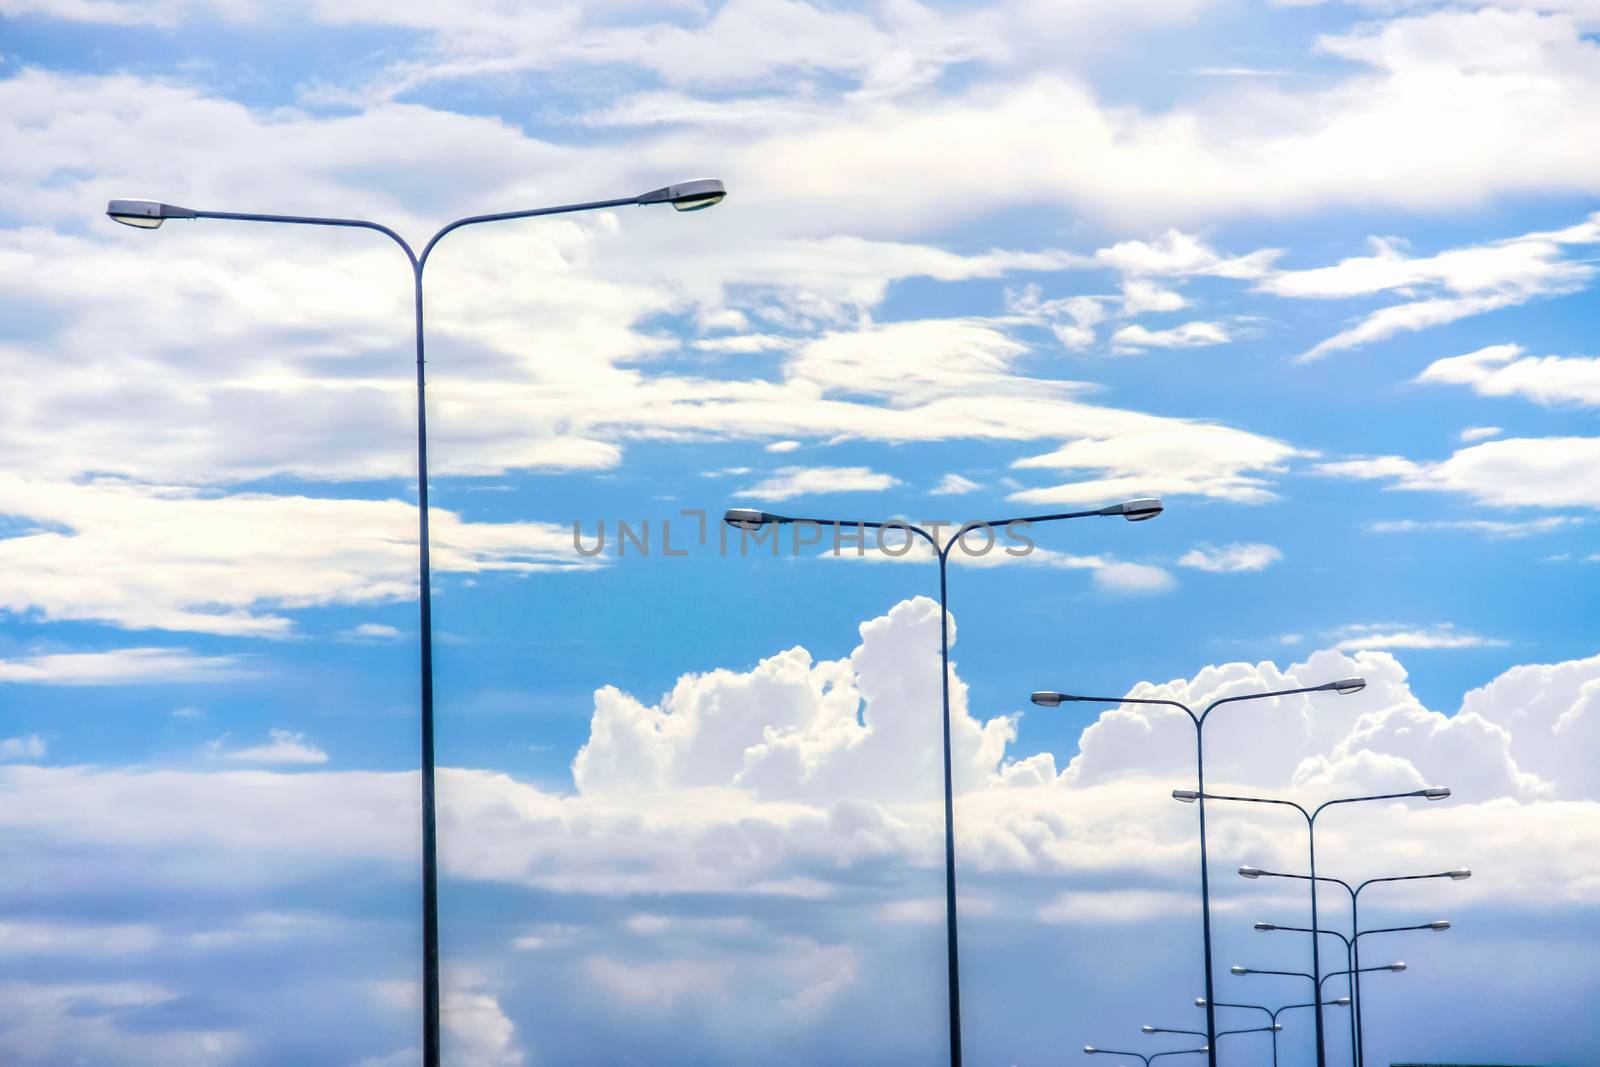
(1230,558)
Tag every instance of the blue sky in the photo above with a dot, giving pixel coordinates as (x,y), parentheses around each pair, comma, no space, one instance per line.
(1319,275)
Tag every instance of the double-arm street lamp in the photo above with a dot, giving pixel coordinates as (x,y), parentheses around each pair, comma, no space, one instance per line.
(149,215)
(1430,793)
(1459,874)
(1132,510)
(1147,1057)
(1273,1013)
(1344,686)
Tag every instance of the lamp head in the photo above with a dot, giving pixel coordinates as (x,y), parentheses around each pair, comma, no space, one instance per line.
(1346,686)
(1147,1029)
(1275,1027)
(1046,699)
(1251,872)
(1397,966)
(1188,796)
(1236,969)
(687,196)
(1436,792)
(145,214)
(1089,1050)
(1265,926)
(1135,510)
(1439,924)
(1343,1002)
(747,518)
(1460,874)
(1199,1002)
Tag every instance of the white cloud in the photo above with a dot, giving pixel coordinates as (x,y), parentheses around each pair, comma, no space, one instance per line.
(286,746)
(1208,460)
(954,485)
(1390,635)
(143,556)
(31,746)
(783,446)
(1230,558)
(1488,527)
(1548,472)
(1503,370)
(791,482)
(1478,433)
(1189,335)
(124,666)
(372,631)
(1140,295)
(1133,579)
(1445,287)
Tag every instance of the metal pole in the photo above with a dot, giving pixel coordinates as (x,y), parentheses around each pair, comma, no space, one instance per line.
(1316,944)
(1355,951)
(952,955)
(1205,893)
(430,836)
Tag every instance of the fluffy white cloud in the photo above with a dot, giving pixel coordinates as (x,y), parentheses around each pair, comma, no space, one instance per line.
(1503,370)
(1548,472)
(1230,558)
(1478,433)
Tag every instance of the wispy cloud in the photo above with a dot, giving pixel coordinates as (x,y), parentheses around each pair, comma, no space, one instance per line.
(789,482)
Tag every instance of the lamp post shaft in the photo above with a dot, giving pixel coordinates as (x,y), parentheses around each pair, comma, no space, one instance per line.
(1316,945)
(1355,976)
(430,854)
(1205,894)
(952,950)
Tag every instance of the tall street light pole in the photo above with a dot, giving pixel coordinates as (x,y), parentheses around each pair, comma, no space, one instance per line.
(1344,687)
(1430,793)
(149,215)
(1132,510)
(1459,874)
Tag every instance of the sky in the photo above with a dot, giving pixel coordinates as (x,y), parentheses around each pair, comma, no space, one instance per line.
(1319,275)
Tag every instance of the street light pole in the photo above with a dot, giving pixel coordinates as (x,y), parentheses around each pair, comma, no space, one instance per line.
(1459,874)
(1430,793)
(149,215)
(1344,686)
(1349,962)
(1132,510)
